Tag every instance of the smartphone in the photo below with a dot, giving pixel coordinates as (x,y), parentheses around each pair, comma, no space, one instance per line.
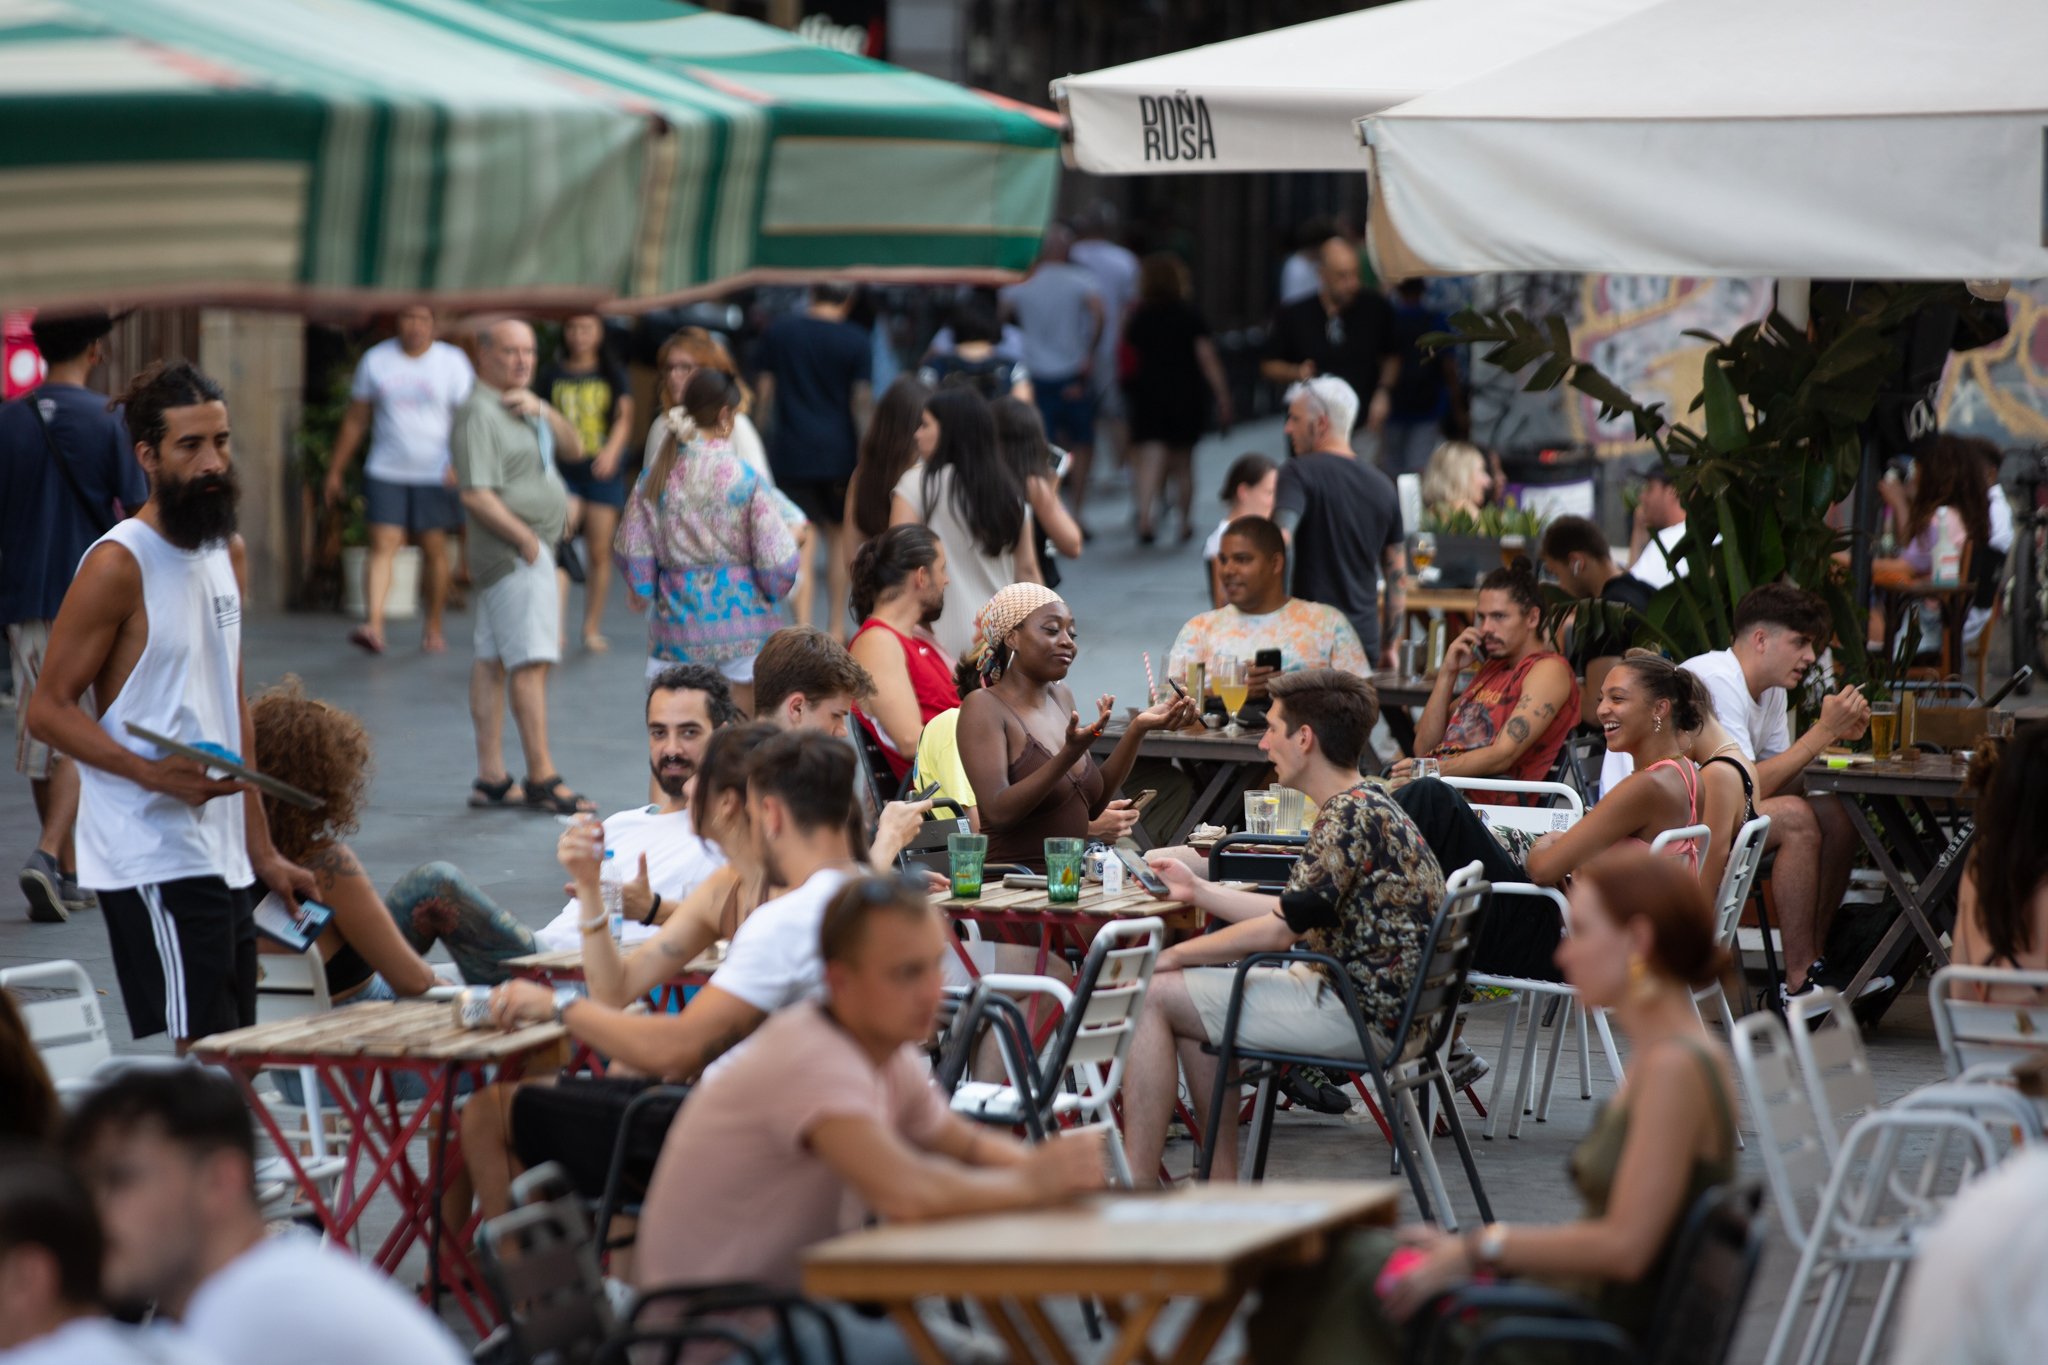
(1145,798)
(1060,460)
(1267,658)
(1141,874)
(1174,683)
(923,794)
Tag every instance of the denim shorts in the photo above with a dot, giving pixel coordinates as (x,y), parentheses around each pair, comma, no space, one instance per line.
(1069,421)
(412,507)
(587,486)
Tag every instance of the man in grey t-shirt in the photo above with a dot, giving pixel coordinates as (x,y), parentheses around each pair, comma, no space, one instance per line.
(504,445)
(1060,311)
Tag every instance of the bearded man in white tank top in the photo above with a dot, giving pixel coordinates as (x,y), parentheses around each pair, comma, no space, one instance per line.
(152,626)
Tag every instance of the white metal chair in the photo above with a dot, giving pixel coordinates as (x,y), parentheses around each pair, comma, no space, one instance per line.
(1702,838)
(1745,856)
(1836,1192)
(1528,992)
(1081,1070)
(1980,1040)
(69,1030)
(292,986)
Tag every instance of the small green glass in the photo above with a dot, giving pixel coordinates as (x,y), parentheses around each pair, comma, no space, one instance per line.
(1063,870)
(964,856)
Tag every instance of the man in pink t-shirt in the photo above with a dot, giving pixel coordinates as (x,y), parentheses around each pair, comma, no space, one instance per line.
(830,1112)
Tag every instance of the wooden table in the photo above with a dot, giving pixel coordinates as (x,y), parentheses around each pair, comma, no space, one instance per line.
(1135,1252)
(349,1050)
(1449,601)
(1395,689)
(1233,763)
(1884,799)
(1027,915)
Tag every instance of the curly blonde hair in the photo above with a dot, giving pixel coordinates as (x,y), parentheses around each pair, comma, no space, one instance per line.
(318,748)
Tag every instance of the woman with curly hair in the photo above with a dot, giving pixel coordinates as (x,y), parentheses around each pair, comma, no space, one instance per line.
(373,946)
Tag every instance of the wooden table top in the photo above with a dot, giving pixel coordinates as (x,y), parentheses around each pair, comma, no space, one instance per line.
(414,1029)
(1205,746)
(1934,775)
(1195,1240)
(1133,902)
(569,962)
(1464,600)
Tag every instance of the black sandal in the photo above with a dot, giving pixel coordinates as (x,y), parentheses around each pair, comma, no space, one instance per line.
(553,794)
(488,795)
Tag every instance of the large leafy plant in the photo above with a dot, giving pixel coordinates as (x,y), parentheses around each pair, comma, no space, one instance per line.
(1778,440)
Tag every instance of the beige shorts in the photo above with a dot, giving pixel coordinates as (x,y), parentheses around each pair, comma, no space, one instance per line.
(26,643)
(1289,1008)
(519,617)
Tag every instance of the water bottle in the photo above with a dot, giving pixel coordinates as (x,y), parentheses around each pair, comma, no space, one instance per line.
(1948,551)
(611,884)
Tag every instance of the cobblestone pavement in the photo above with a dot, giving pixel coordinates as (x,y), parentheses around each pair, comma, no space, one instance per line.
(1127,599)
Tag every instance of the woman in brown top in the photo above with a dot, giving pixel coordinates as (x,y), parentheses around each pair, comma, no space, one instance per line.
(1023,743)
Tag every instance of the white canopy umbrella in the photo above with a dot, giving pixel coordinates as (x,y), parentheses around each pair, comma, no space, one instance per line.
(1289,99)
(1872,139)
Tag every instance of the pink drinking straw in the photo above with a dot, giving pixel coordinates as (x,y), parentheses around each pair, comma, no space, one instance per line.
(1151,685)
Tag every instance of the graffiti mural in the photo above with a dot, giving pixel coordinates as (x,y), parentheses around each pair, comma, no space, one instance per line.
(2000,392)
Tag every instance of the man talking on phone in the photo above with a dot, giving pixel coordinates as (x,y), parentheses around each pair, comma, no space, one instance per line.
(1512,718)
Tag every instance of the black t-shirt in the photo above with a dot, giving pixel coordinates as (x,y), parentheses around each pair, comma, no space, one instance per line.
(991,376)
(816,364)
(1163,335)
(1420,392)
(1600,643)
(588,400)
(1352,344)
(45,527)
(1348,515)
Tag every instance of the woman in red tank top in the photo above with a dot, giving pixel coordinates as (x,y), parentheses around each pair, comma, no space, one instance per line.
(899,589)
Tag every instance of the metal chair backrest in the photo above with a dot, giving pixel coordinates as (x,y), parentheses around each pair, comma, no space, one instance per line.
(1430,1013)
(1833,1066)
(1095,1034)
(291,986)
(673,1345)
(541,1267)
(1745,857)
(1798,1157)
(69,1029)
(1245,857)
(1713,1263)
(1974,1032)
(1535,819)
(874,758)
(927,847)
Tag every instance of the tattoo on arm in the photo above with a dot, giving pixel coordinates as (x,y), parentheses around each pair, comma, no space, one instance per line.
(669,949)
(1518,729)
(332,863)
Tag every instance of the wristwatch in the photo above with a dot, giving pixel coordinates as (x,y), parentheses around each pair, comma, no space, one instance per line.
(1488,1245)
(565,996)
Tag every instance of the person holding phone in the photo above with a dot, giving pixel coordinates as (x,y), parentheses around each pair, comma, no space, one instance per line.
(1513,717)
(1259,621)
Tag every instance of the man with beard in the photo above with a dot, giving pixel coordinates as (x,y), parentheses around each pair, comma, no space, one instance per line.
(504,447)
(658,844)
(899,589)
(153,626)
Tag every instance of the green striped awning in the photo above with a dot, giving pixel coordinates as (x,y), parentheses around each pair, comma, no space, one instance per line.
(302,151)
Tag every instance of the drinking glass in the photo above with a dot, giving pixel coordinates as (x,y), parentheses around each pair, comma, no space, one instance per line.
(964,856)
(1293,812)
(1427,766)
(1424,553)
(1884,730)
(1511,549)
(1232,683)
(1063,870)
(1998,725)
(1261,813)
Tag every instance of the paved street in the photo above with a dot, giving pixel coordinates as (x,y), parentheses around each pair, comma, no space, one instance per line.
(1127,599)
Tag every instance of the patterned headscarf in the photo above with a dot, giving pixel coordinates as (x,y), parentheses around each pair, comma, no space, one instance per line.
(1003,613)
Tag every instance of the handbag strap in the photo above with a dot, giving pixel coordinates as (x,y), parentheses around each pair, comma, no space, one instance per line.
(100,522)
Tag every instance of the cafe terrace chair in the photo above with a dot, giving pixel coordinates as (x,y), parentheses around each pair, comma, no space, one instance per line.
(1842,1196)
(1526,992)
(673,1345)
(539,1261)
(1700,1300)
(1412,1060)
(62,1013)
(680,1310)
(1738,879)
(1078,1076)
(642,1126)
(1982,1041)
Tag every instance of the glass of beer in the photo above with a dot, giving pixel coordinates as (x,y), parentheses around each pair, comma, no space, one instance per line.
(1884,730)
(1511,549)
(1424,554)
(1232,684)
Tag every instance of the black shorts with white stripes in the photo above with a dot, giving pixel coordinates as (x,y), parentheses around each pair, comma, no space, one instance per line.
(185,954)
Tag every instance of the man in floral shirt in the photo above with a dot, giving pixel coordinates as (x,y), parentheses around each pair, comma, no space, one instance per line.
(1365,892)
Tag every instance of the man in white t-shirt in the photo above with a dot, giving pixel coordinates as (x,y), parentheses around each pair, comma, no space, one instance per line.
(1659,522)
(1778,628)
(404,396)
(656,845)
(170,1157)
(800,803)
(50,1255)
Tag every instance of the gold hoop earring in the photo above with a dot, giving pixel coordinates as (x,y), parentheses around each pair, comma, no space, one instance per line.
(1642,982)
